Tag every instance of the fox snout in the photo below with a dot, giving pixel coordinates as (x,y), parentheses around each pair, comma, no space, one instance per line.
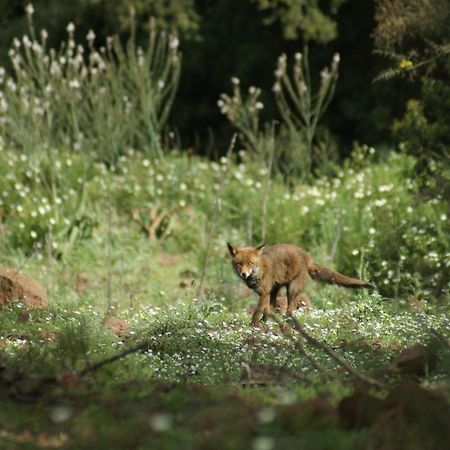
(245,275)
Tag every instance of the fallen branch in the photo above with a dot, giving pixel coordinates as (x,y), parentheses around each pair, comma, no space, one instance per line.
(99,364)
(267,183)
(301,348)
(330,352)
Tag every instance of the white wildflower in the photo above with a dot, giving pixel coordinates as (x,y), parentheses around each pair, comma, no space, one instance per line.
(90,36)
(74,84)
(173,42)
(263,443)
(160,422)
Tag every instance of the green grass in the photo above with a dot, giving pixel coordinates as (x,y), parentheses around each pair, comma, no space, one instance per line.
(94,207)
(207,377)
(191,389)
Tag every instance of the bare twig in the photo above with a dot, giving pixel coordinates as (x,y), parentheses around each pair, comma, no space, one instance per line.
(330,352)
(268,182)
(99,364)
(340,223)
(284,327)
(109,256)
(215,217)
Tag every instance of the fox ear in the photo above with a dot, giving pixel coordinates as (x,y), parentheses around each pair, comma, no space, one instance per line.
(261,247)
(232,248)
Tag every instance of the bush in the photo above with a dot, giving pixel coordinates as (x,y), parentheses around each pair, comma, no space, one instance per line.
(295,148)
(416,36)
(100,101)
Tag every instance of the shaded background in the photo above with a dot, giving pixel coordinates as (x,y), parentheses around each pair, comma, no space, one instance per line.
(224,38)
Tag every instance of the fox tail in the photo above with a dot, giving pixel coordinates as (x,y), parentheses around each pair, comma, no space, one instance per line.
(320,273)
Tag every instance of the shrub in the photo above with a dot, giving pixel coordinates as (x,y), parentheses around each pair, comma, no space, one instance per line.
(297,151)
(416,36)
(100,101)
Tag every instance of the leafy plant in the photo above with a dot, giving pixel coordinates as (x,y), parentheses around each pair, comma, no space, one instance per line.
(300,108)
(306,18)
(416,36)
(97,100)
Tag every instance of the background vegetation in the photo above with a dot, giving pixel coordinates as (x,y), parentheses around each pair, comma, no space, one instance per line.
(118,193)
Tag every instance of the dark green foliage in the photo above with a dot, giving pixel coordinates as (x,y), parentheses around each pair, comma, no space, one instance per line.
(303,18)
(425,128)
(415,35)
(225,38)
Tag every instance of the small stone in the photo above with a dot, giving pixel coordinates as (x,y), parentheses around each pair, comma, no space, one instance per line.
(17,287)
(24,316)
(118,326)
(415,360)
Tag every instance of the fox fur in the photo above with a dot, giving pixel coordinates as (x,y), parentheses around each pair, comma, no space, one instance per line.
(266,270)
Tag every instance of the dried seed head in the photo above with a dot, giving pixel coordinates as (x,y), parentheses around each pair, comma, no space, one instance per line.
(173,42)
(276,87)
(325,74)
(90,36)
(29,9)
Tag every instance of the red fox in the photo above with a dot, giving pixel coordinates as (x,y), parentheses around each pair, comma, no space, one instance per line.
(266,270)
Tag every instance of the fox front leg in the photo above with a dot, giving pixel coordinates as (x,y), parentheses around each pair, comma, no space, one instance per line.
(262,307)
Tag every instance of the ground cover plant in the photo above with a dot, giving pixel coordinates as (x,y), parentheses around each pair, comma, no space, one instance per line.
(147,343)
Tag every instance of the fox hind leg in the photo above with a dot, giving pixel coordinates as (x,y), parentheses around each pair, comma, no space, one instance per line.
(304,301)
(261,308)
(274,298)
(295,295)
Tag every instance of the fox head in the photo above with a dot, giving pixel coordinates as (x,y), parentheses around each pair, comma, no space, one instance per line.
(246,260)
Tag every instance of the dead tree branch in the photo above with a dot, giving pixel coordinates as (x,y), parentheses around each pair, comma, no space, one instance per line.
(330,352)
(284,327)
(215,217)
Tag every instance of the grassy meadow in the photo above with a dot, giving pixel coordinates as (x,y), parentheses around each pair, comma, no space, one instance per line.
(127,233)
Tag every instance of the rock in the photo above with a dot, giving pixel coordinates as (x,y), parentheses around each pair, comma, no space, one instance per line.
(17,287)
(413,414)
(415,360)
(312,414)
(359,410)
(118,326)
(24,316)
